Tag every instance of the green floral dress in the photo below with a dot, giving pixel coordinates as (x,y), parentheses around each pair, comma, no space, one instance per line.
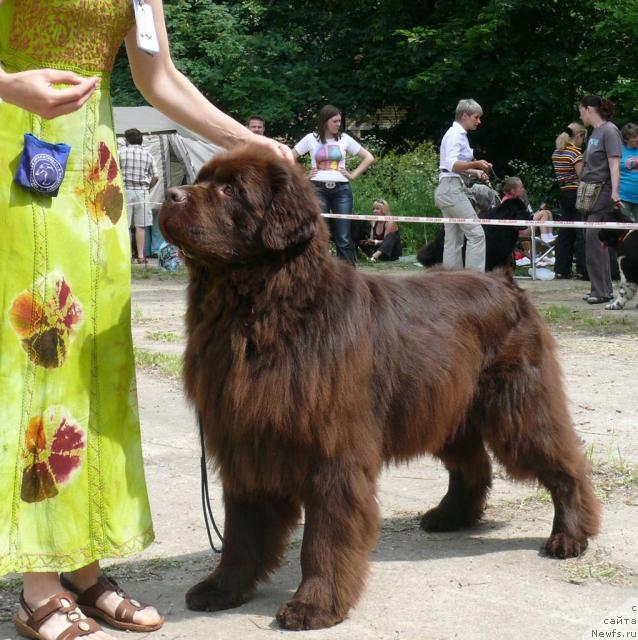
(72,486)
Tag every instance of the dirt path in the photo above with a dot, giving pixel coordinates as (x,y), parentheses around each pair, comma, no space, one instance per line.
(489,582)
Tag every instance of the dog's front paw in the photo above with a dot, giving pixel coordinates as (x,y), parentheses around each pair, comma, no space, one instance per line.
(207,596)
(296,615)
(440,519)
(616,305)
(562,545)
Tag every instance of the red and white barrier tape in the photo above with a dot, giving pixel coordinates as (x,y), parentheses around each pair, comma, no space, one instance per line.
(503,223)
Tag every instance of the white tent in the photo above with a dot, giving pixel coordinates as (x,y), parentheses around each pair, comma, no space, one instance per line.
(178,152)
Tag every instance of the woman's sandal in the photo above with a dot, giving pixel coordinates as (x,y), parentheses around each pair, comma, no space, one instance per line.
(59,603)
(123,617)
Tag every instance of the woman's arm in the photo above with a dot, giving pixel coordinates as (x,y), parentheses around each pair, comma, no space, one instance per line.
(614,170)
(33,91)
(578,166)
(366,160)
(167,89)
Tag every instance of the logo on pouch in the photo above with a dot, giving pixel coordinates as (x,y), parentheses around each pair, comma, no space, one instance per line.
(46,173)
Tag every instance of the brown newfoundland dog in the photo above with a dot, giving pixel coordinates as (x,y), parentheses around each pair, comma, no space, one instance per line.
(310,376)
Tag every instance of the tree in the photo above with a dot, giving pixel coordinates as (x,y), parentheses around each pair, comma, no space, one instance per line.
(525,61)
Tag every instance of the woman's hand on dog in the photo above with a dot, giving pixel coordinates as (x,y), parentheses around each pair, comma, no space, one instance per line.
(279,148)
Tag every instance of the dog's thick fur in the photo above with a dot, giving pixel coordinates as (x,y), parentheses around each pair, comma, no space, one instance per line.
(309,376)
(625,244)
(499,240)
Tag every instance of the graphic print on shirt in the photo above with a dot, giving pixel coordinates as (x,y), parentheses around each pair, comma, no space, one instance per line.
(328,157)
(631,163)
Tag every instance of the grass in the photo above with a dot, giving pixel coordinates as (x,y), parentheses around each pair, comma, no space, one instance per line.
(562,317)
(596,567)
(167,364)
(616,478)
(163,336)
(141,272)
(144,570)
(136,313)
(12,585)
(389,267)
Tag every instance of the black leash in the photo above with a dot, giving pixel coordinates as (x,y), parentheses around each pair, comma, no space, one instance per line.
(209,518)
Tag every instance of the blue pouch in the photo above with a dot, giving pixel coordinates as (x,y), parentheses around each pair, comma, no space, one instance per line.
(42,165)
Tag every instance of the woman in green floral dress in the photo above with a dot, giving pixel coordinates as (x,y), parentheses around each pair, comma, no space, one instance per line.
(71,475)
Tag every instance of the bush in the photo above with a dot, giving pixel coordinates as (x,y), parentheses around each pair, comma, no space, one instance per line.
(407,181)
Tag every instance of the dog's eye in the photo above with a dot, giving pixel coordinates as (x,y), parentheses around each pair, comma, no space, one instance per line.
(228,191)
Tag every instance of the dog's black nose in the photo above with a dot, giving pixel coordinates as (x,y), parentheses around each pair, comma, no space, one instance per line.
(175,195)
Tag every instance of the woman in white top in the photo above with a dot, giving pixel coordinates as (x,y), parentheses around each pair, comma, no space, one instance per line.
(450,196)
(328,148)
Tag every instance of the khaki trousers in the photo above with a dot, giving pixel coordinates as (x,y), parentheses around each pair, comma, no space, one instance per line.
(451,199)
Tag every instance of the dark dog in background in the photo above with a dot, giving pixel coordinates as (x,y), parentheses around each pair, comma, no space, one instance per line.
(309,376)
(499,240)
(360,230)
(625,243)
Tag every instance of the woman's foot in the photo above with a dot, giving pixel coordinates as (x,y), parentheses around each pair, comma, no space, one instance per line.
(102,598)
(49,618)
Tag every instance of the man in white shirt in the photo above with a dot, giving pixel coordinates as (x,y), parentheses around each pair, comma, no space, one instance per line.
(456,157)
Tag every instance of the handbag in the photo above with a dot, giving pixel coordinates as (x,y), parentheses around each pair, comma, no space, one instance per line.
(587,195)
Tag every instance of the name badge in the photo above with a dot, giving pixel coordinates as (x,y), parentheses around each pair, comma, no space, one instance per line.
(145,26)
(42,165)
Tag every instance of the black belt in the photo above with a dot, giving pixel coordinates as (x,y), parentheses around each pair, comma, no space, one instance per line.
(328,184)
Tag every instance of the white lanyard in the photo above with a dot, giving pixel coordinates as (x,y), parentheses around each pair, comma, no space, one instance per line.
(146,34)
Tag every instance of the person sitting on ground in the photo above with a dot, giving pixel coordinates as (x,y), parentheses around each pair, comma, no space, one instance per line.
(513,188)
(384,241)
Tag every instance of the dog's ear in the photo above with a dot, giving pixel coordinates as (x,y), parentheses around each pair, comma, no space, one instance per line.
(293,213)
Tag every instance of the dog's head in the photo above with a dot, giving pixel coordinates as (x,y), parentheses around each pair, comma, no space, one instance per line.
(243,205)
(611,237)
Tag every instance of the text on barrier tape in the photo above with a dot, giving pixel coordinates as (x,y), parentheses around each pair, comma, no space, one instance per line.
(503,223)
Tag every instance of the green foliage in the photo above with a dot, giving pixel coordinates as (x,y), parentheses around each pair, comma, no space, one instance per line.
(527,62)
(407,181)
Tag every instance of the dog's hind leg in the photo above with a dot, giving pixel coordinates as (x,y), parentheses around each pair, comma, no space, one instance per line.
(255,536)
(532,436)
(470,479)
(340,532)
